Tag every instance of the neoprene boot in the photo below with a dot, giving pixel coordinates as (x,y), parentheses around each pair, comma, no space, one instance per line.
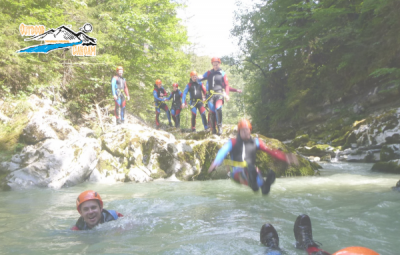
(303,233)
(266,187)
(118,121)
(204,119)
(269,237)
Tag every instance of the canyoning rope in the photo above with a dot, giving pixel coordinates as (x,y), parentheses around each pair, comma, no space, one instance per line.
(229,162)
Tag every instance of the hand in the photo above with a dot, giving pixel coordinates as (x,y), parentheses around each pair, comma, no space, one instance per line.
(291,159)
(239,91)
(115,97)
(227,98)
(129,98)
(183,106)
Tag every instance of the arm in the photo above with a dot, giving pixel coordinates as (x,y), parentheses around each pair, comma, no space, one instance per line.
(204,89)
(226,86)
(119,215)
(274,153)
(113,84)
(205,76)
(235,90)
(127,91)
(75,228)
(184,94)
(221,155)
(156,97)
(168,98)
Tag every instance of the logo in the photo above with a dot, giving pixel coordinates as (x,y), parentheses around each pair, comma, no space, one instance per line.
(60,38)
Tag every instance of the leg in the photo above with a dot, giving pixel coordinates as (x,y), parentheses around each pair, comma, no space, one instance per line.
(123,111)
(117,106)
(166,109)
(157,117)
(212,115)
(178,118)
(266,185)
(218,106)
(173,116)
(202,111)
(194,114)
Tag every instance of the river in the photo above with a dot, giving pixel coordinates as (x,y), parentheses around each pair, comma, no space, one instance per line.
(348,205)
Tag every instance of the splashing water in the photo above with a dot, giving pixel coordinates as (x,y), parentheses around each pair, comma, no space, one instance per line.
(348,205)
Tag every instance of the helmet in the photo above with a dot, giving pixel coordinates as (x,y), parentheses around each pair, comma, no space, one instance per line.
(356,251)
(175,85)
(243,123)
(119,68)
(88,195)
(193,73)
(158,82)
(215,60)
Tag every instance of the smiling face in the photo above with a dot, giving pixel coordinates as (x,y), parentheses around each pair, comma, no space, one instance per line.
(194,78)
(216,65)
(91,212)
(120,72)
(245,133)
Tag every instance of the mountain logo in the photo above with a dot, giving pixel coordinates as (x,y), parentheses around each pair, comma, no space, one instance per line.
(62,37)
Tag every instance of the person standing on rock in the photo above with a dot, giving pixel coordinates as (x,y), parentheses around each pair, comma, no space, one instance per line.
(218,90)
(195,89)
(90,206)
(160,94)
(119,87)
(176,96)
(243,156)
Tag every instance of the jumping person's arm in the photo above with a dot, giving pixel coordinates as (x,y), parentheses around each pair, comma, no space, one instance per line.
(221,155)
(289,157)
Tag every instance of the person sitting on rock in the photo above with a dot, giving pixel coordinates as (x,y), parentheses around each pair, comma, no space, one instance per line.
(176,96)
(304,240)
(159,93)
(243,151)
(196,91)
(90,207)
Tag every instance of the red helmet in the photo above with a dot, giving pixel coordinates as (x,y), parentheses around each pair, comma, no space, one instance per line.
(175,85)
(215,60)
(243,124)
(158,82)
(193,73)
(356,251)
(119,68)
(88,195)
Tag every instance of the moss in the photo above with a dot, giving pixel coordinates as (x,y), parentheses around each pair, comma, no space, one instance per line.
(357,124)
(386,167)
(205,153)
(316,150)
(10,133)
(341,140)
(104,165)
(147,148)
(160,174)
(77,151)
(300,140)
(3,182)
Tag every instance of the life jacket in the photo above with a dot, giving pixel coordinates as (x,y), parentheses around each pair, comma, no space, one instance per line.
(176,98)
(244,151)
(195,90)
(120,85)
(106,216)
(160,93)
(216,80)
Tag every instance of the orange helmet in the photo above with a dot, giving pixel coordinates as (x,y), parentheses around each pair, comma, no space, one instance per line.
(175,85)
(88,195)
(356,251)
(215,60)
(243,123)
(193,73)
(119,68)
(158,82)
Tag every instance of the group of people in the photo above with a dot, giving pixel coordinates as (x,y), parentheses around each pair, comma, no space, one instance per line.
(209,98)
(242,150)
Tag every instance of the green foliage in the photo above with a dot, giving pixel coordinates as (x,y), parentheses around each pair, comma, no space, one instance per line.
(144,36)
(296,55)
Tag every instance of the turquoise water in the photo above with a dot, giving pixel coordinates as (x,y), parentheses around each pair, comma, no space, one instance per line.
(348,206)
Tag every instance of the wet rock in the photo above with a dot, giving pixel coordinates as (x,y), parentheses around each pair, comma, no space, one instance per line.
(392,166)
(397,187)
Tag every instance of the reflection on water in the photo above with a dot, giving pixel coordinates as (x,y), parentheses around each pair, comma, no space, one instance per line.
(348,206)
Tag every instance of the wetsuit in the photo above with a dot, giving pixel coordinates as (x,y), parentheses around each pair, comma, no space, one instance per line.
(195,90)
(217,84)
(159,94)
(106,216)
(246,151)
(176,107)
(118,85)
